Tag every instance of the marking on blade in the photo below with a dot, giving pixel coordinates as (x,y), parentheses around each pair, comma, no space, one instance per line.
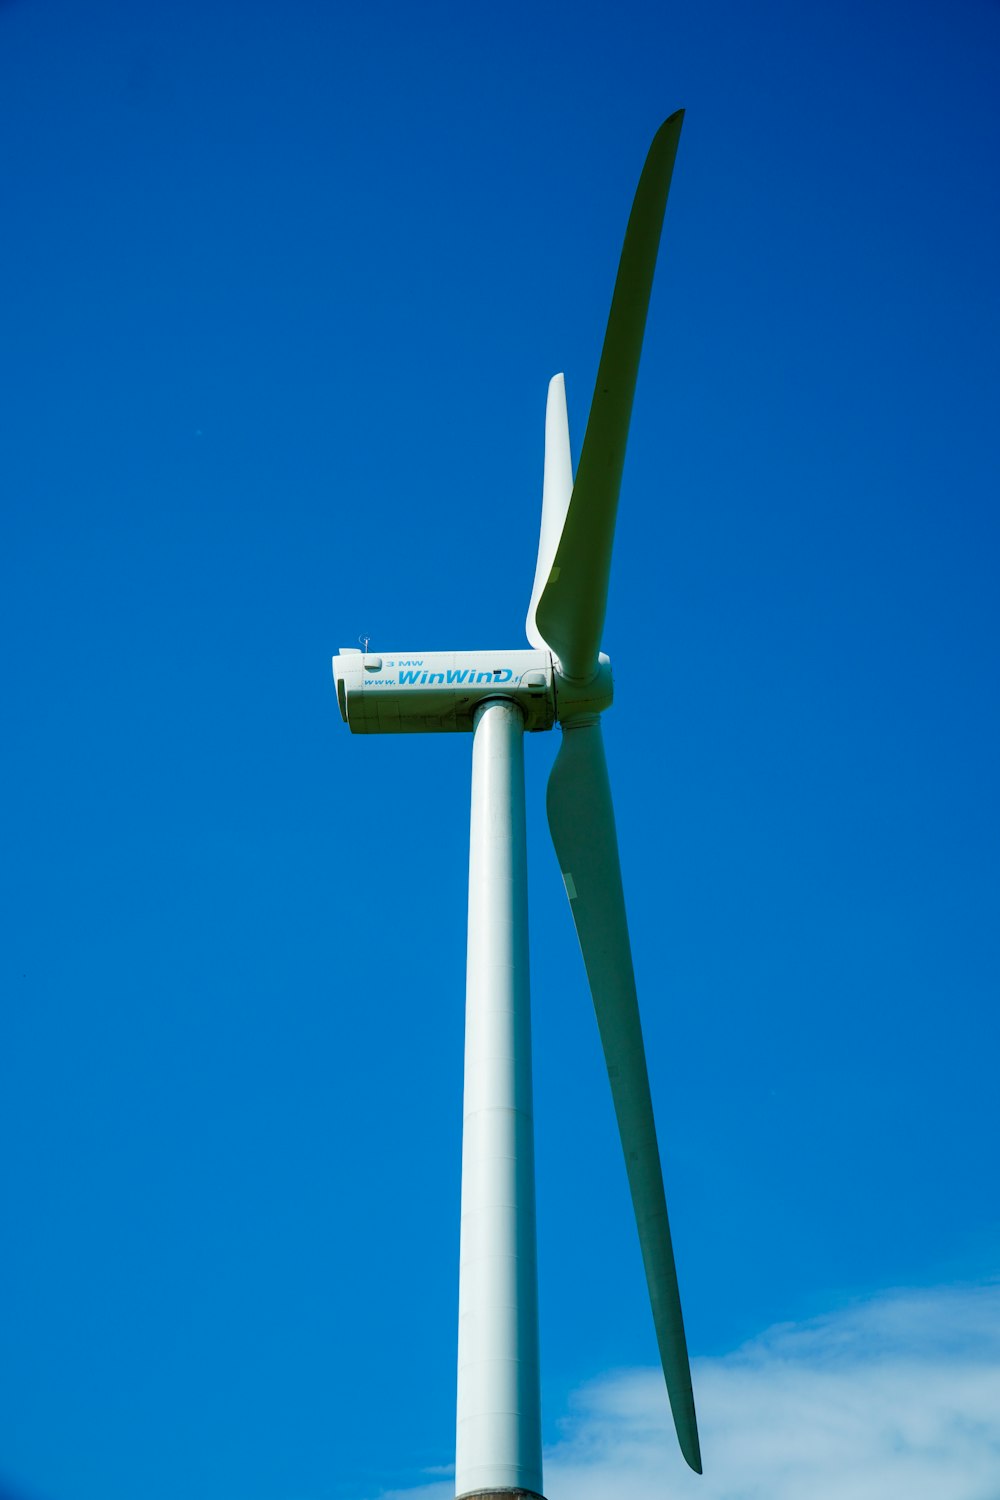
(570,885)
(553,575)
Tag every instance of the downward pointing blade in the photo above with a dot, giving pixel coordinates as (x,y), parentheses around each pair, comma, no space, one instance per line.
(570,612)
(582,821)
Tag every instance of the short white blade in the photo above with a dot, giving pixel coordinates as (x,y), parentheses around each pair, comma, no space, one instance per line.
(557,487)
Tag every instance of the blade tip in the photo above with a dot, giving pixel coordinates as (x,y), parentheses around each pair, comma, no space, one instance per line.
(671,124)
(691,1449)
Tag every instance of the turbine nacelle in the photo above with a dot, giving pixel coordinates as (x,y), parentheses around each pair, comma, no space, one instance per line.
(405,692)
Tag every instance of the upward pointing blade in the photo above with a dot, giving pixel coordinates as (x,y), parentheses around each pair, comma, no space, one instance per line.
(557,489)
(582,821)
(570,611)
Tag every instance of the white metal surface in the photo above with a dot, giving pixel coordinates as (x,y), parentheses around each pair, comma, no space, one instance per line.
(499,1417)
(431,691)
(434,691)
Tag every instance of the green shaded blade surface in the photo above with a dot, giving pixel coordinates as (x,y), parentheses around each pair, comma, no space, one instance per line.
(582,821)
(570,611)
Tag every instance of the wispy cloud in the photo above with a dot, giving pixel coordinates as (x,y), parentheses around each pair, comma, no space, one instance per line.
(895,1396)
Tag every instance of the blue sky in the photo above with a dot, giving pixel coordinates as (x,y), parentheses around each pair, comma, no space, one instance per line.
(283,291)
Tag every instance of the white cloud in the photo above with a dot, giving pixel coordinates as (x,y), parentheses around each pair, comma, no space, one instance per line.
(898,1396)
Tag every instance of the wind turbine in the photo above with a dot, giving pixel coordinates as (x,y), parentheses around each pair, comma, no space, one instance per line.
(497,695)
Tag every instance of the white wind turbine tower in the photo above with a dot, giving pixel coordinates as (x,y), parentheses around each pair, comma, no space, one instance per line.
(564,679)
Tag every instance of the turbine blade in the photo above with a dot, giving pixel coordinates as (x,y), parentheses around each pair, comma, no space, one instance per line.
(570,611)
(557,487)
(582,822)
